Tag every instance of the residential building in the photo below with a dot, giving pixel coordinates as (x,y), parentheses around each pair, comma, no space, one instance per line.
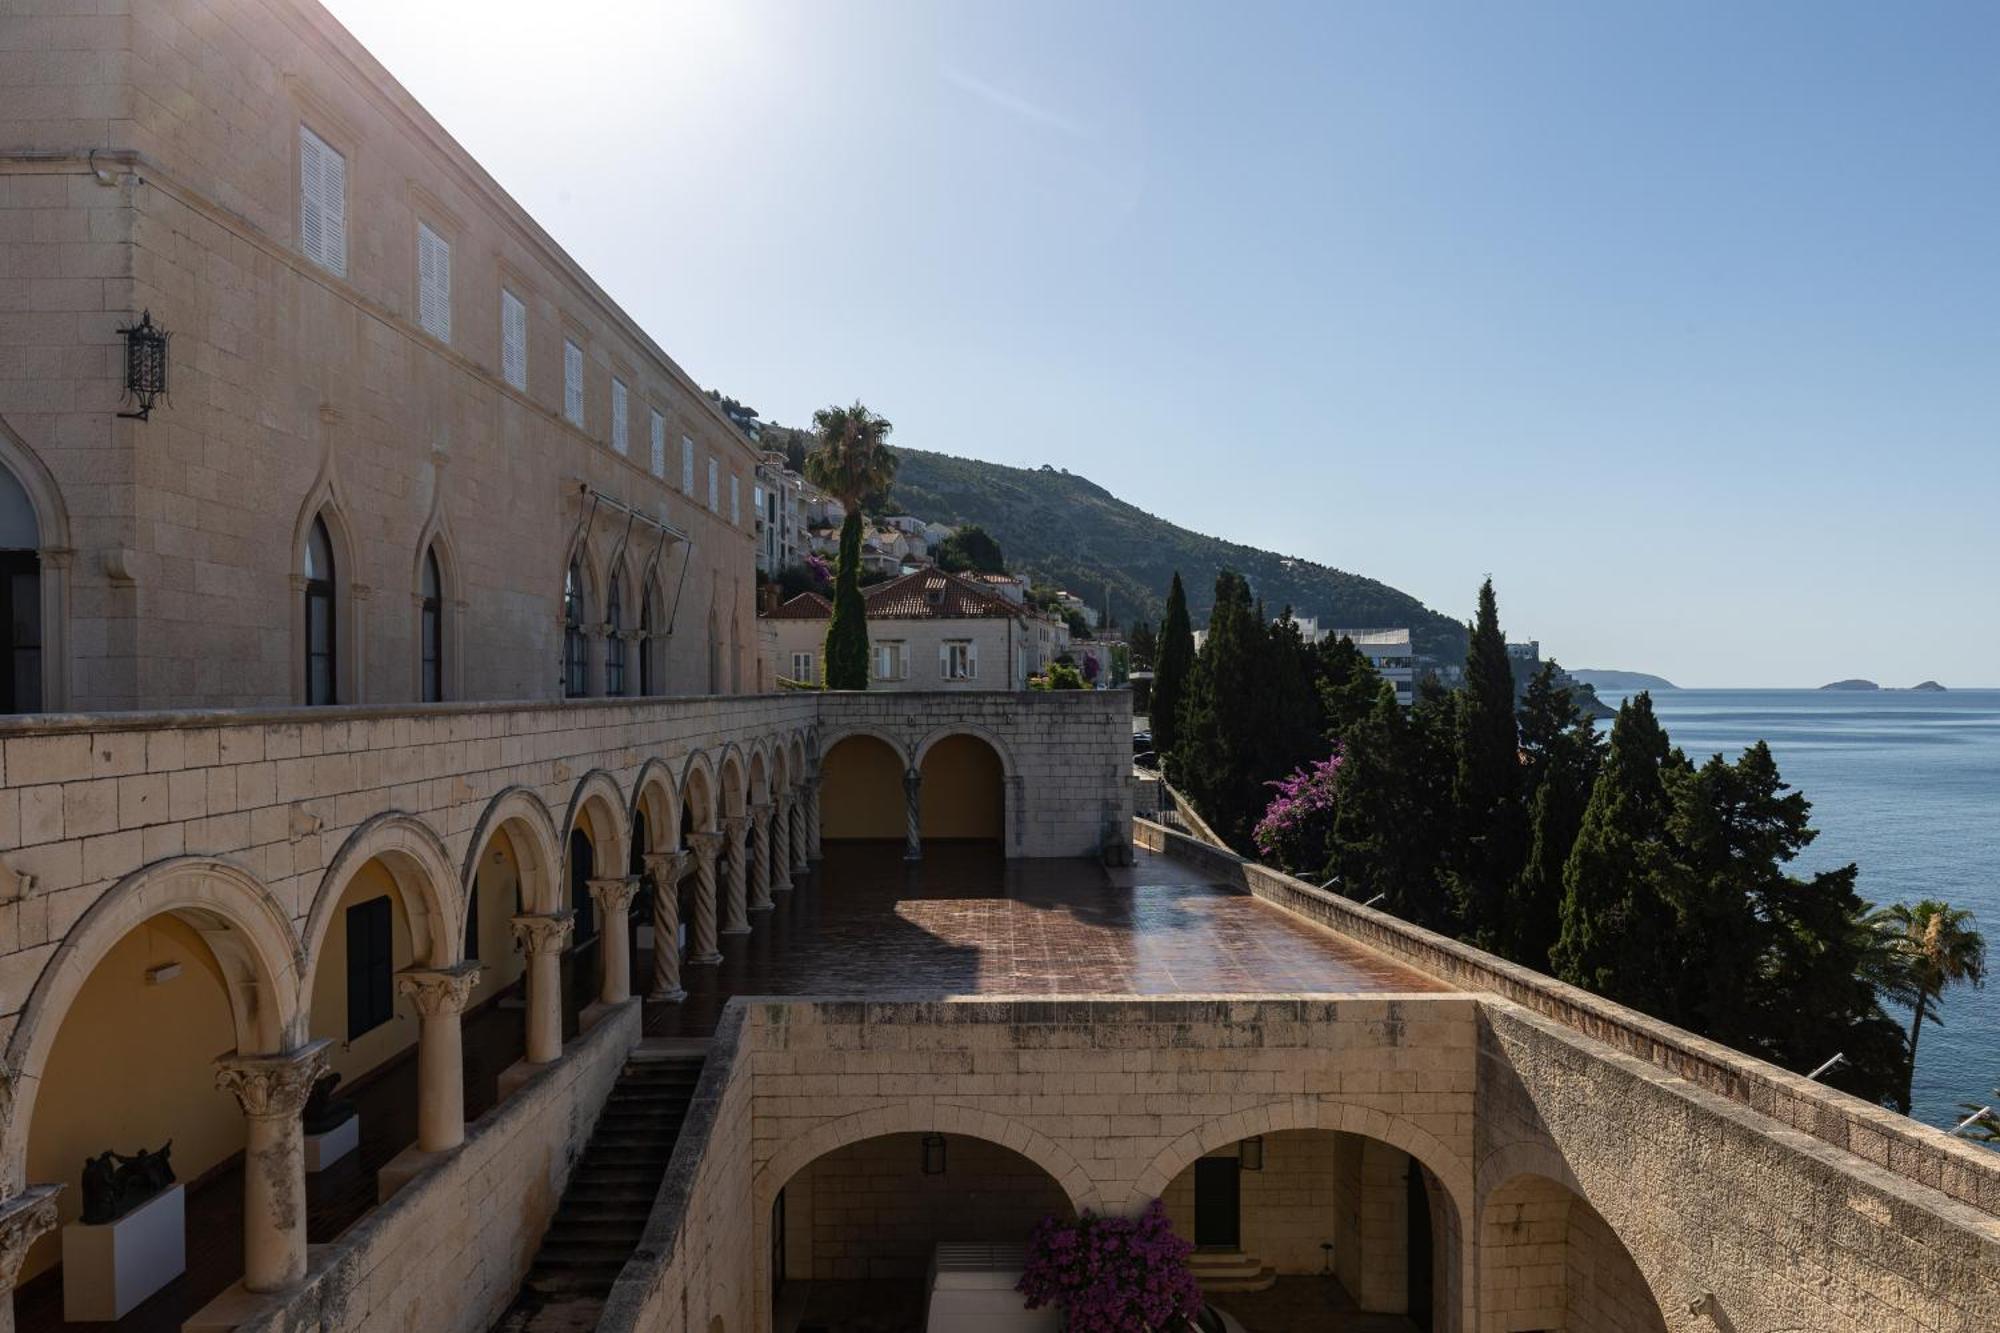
(927,630)
(1389,652)
(779,501)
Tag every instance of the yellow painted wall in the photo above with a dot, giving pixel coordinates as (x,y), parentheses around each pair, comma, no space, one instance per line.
(861,791)
(329,984)
(964,790)
(133,1066)
(498,886)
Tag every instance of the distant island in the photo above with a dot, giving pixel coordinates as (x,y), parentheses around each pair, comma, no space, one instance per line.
(1930,686)
(1856,684)
(1604,678)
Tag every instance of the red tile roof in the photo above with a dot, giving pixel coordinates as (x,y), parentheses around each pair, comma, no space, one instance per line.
(925,594)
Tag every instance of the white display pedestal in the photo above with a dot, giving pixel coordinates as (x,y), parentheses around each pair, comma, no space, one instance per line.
(323,1150)
(110,1267)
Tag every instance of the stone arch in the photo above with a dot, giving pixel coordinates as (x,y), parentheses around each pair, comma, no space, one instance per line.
(864,789)
(245,928)
(698,792)
(796,743)
(1307,1113)
(793,749)
(758,780)
(54,553)
(970,794)
(533,834)
(656,795)
(609,817)
(732,781)
(1008,766)
(326,504)
(418,862)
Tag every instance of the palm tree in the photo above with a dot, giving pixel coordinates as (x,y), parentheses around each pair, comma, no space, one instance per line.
(852,464)
(1935,946)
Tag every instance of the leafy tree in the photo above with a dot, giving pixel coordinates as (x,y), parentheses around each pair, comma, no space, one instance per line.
(1062,676)
(1296,832)
(1144,645)
(1617,896)
(1492,826)
(1935,946)
(851,464)
(810,575)
(1079,628)
(1561,752)
(1348,686)
(971,549)
(1171,668)
(1392,793)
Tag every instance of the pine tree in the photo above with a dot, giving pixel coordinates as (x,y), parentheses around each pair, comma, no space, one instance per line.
(1617,912)
(1170,670)
(846,649)
(1349,686)
(1562,751)
(1492,826)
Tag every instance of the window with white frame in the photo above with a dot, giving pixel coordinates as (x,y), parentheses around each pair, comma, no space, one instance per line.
(958,659)
(735,499)
(513,339)
(659,444)
(714,486)
(802,667)
(434,283)
(687,467)
(618,414)
(572,382)
(892,660)
(322,202)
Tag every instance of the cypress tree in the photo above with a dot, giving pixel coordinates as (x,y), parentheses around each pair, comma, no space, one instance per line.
(846,650)
(1492,827)
(1618,927)
(1218,753)
(1170,669)
(1563,753)
(1349,687)
(1392,793)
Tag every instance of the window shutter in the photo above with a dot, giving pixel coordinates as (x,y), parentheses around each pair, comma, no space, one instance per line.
(944,661)
(687,467)
(659,445)
(513,339)
(433,283)
(735,499)
(322,202)
(572,382)
(972,660)
(618,414)
(714,493)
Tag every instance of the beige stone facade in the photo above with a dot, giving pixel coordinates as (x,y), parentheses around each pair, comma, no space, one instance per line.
(152,158)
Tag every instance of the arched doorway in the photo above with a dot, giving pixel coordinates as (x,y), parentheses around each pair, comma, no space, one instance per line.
(1548,1260)
(20,598)
(1353,1223)
(581,959)
(964,792)
(862,797)
(852,1233)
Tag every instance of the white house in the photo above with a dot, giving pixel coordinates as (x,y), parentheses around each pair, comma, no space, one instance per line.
(927,630)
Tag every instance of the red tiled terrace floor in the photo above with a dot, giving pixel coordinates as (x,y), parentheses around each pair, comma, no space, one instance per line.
(965,922)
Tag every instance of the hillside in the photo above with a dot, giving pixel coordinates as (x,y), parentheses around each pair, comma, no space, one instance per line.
(1067,530)
(1605,678)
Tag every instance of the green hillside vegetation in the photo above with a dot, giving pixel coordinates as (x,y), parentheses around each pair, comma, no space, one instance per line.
(1064,529)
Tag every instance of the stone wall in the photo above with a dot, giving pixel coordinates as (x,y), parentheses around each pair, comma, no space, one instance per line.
(1066,757)
(448,1252)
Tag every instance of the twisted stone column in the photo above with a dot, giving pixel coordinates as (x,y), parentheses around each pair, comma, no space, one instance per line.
(913,811)
(735,919)
(272,1090)
(613,895)
(440,996)
(760,859)
(543,938)
(702,948)
(23,1220)
(814,848)
(801,801)
(781,844)
(666,869)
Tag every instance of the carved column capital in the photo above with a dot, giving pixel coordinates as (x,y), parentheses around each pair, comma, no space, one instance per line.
(666,868)
(735,826)
(437,991)
(544,934)
(613,893)
(23,1219)
(272,1087)
(707,847)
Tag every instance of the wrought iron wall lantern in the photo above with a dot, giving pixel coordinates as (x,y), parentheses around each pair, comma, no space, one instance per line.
(933,1154)
(145,365)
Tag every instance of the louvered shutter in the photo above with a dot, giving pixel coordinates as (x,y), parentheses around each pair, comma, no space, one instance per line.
(513,339)
(972,660)
(572,382)
(687,467)
(714,491)
(433,283)
(618,415)
(944,661)
(735,499)
(322,202)
(659,445)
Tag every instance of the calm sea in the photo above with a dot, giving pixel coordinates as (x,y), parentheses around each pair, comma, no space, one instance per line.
(1907,786)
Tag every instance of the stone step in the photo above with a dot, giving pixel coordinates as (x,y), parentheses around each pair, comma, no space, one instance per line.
(1222,1263)
(1262,1280)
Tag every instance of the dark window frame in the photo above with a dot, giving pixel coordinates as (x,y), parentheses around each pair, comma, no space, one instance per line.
(430,629)
(321,595)
(371,965)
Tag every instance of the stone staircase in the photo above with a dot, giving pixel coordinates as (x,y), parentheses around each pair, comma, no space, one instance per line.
(1217,1271)
(610,1194)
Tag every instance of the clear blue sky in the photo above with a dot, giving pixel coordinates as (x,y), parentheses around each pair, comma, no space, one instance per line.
(1681,321)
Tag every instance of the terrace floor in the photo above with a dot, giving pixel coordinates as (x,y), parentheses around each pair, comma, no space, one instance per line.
(964,921)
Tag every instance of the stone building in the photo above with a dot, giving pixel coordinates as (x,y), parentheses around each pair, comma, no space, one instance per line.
(698,1014)
(927,630)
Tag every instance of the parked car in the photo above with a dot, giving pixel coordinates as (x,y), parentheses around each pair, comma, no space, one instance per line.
(1141,740)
